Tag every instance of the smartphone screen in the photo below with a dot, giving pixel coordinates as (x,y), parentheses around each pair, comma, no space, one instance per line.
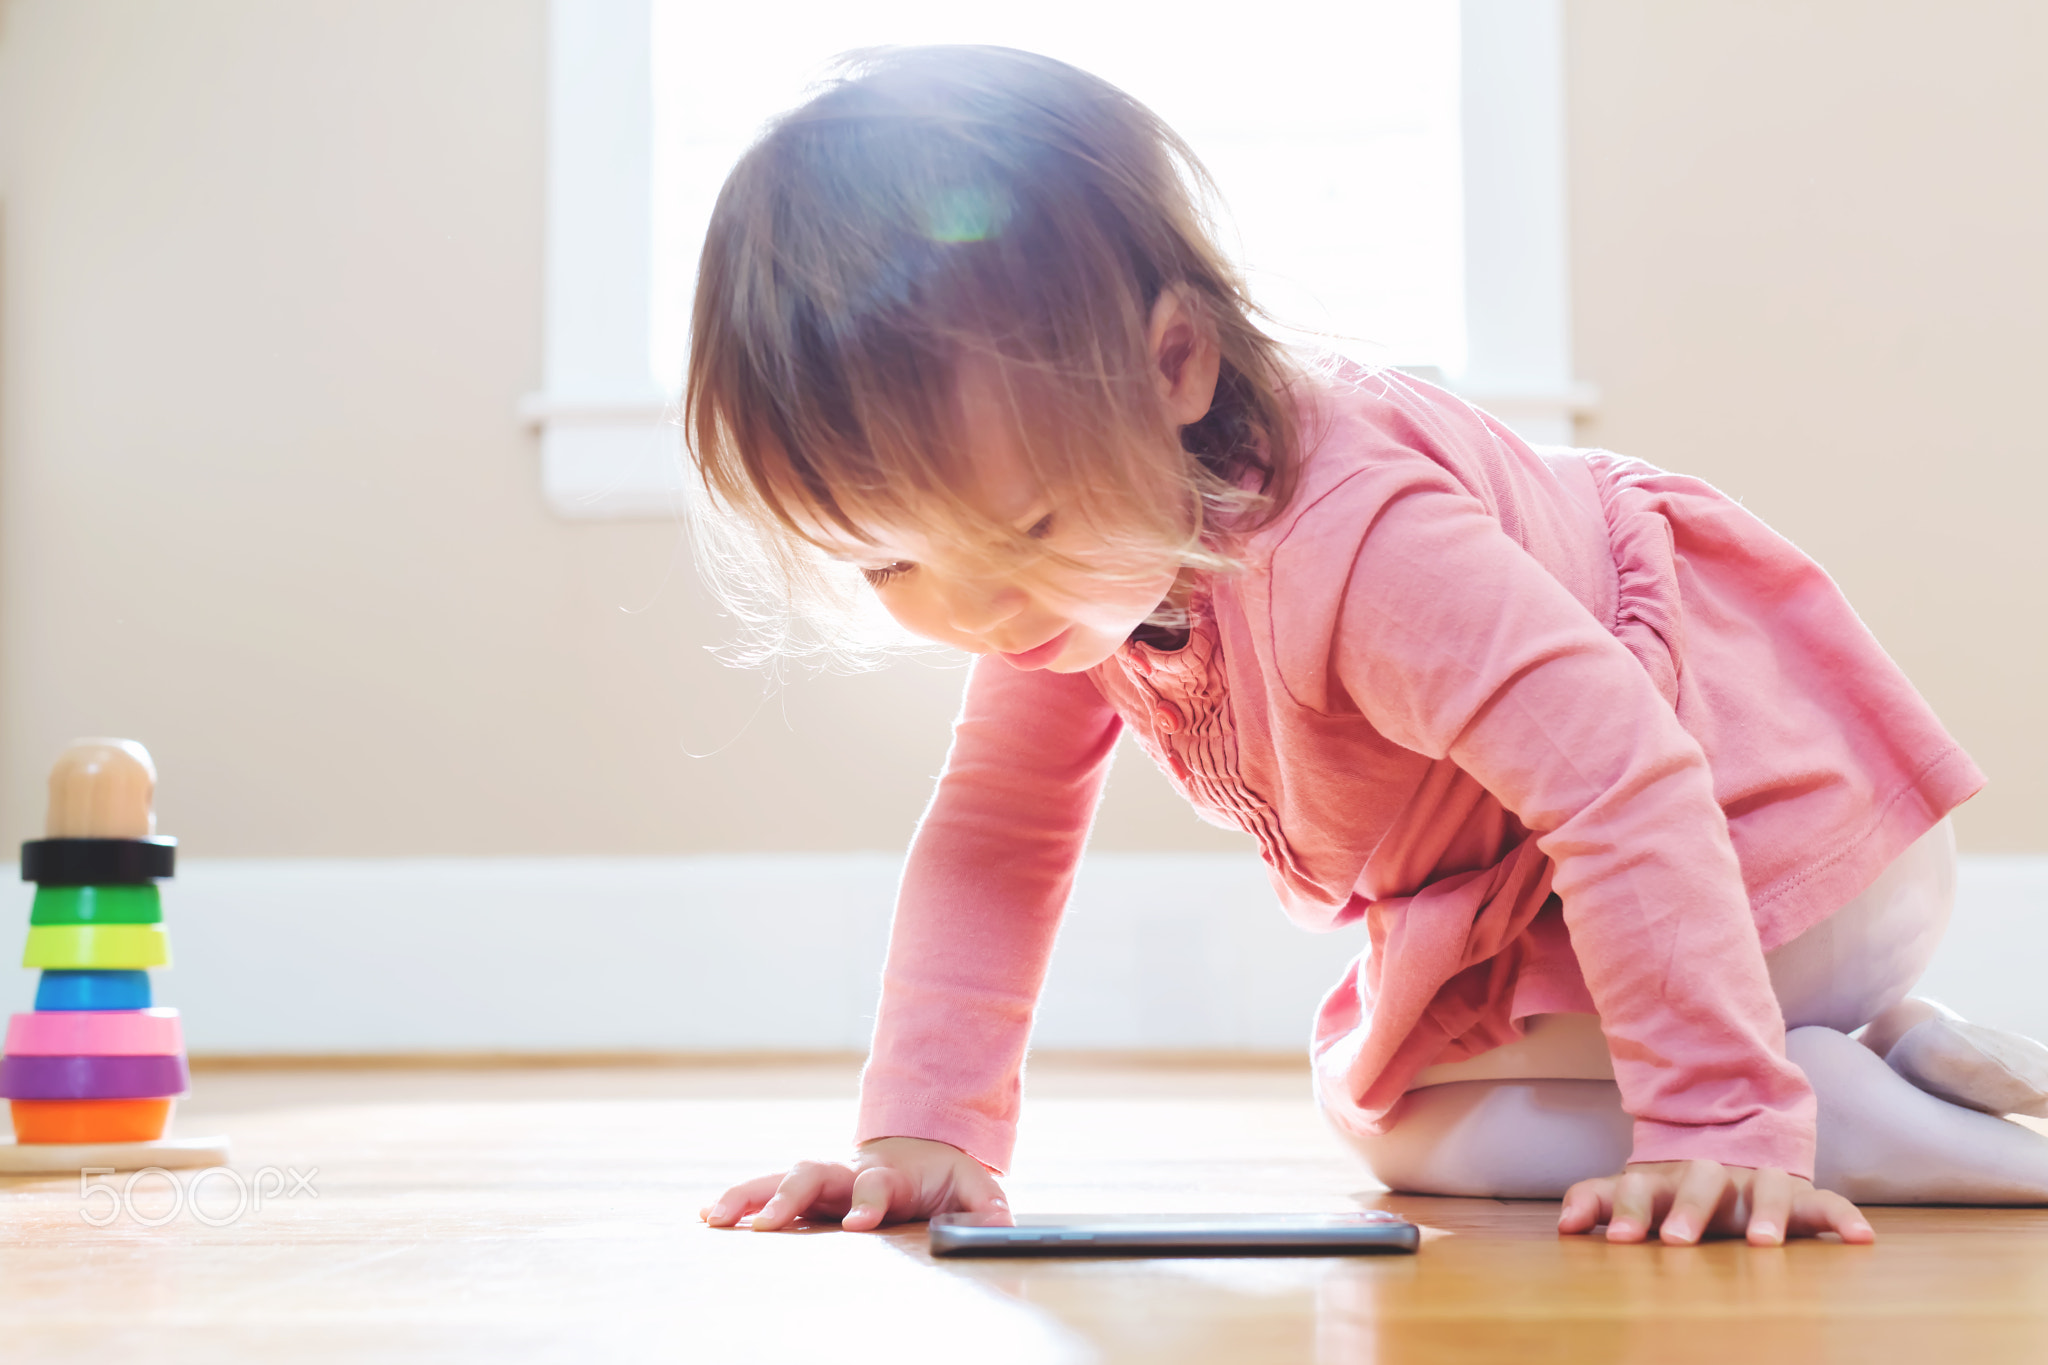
(1183,1234)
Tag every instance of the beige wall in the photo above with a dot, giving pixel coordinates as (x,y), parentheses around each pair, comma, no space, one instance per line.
(271,285)
(1810,258)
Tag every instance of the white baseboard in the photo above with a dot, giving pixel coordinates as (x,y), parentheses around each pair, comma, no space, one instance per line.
(772,951)
(784,951)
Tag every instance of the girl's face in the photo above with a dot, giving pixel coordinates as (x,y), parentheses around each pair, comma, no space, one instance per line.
(1034,615)
(1040,615)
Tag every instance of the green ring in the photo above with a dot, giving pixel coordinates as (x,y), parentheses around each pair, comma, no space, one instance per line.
(97,905)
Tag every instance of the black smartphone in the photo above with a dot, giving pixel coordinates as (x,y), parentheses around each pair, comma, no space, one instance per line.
(1174,1234)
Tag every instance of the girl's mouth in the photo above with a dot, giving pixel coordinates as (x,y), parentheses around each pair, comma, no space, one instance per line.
(1038,656)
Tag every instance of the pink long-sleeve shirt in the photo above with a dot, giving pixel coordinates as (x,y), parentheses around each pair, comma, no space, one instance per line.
(1570,733)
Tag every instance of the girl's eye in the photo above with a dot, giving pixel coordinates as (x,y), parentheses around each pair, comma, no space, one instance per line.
(888,572)
(1041,528)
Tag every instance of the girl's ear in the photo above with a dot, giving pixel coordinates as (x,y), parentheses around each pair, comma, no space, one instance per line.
(1185,357)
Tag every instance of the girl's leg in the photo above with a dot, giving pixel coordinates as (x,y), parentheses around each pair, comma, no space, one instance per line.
(1885,1141)
(1882,1141)
(1883,1138)
(1520,1139)
(1855,968)
(1861,961)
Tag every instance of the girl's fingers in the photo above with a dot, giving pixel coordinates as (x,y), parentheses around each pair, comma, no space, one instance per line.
(1636,1196)
(1702,1188)
(810,1187)
(1819,1211)
(1703,1197)
(739,1201)
(983,1196)
(1586,1205)
(1770,1208)
(874,1190)
(792,1196)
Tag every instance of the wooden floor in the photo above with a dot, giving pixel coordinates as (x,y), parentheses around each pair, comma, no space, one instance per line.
(550,1215)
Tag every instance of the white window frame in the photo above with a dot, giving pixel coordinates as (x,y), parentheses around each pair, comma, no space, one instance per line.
(609,446)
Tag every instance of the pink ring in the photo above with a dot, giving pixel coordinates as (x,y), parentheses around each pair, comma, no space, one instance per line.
(95,1033)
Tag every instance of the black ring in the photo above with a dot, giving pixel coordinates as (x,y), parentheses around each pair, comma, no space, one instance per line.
(97,862)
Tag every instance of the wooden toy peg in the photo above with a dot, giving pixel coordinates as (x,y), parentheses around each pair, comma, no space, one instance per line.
(102,789)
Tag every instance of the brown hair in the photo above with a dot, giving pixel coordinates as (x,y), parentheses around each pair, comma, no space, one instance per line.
(937,207)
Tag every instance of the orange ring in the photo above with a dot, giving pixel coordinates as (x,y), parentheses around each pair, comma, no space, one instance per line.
(89,1120)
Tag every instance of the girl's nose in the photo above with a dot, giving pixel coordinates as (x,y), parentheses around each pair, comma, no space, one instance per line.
(977,608)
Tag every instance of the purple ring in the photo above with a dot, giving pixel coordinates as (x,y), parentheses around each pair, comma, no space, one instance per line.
(92,1078)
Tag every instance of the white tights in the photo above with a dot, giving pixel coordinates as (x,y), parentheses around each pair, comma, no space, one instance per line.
(1530,1119)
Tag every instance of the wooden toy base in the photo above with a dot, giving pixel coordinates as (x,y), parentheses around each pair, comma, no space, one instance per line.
(66,1158)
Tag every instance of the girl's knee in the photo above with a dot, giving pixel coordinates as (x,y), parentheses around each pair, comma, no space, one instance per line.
(1520,1139)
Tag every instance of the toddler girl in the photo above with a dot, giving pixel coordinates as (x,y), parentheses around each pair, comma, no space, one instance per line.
(1620,785)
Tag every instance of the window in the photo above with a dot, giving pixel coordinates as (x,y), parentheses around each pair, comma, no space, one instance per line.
(1391,171)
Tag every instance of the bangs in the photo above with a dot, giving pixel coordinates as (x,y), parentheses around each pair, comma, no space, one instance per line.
(923,460)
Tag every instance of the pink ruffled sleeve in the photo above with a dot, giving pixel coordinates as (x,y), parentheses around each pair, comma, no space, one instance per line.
(983,890)
(1453,641)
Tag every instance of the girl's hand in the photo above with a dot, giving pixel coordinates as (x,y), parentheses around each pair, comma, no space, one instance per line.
(1695,1199)
(891,1180)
